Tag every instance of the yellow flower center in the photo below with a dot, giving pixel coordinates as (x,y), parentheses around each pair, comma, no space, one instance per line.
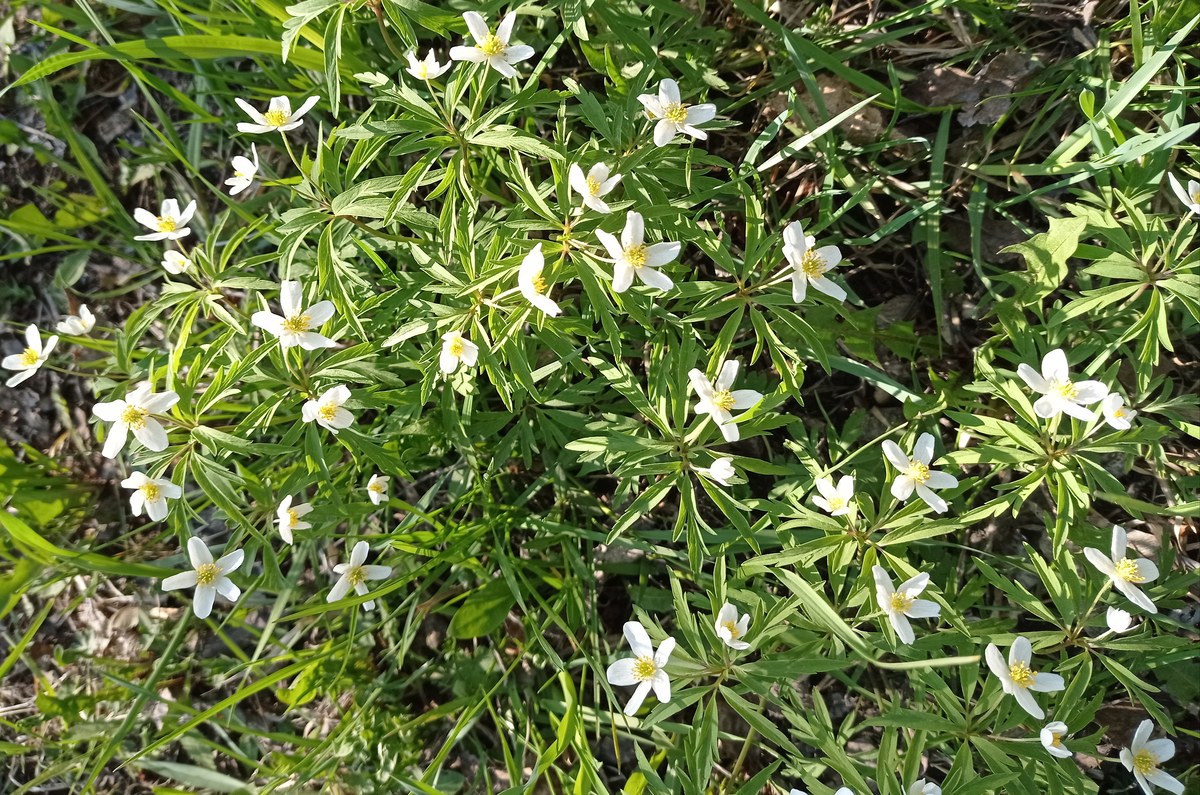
(423,70)
(297,324)
(293,518)
(240,175)
(731,626)
(539,283)
(1067,390)
(151,491)
(357,575)
(918,471)
(675,112)
(455,347)
(1118,414)
(491,46)
(724,400)
(593,186)
(1056,739)
(837,504)
(635,255)
(328,411)
(813,264)
(902,602)
(1144,762)
(134,417)
(644,669)
(1127,570)
(276,117)
(166,223)
(376,487)
(1022,675)
(1195,196)
(207,574)
(30,357)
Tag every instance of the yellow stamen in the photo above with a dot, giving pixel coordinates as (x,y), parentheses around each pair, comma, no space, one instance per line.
(918,471)
(593,186)
(813,264)
(1022,675)
(376,487)
(635,255)
(30,357)
(207,574)
(423,70)
(675,113)
(293,518)
(1066,390)
(166,223)
(836,504)
(1056,739)
(134,417)
(1127,570)
(724,400)
(1195,196)
(644,669)
(1144,762)
(297,324)
(902,602)
(456,347)
(276,117)
(328,411)
(539,283)
(151,491)
(356,575)
(733,630)
(1118,414)
(491,46)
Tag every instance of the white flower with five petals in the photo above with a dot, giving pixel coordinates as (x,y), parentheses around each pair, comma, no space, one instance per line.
(287,517)
(327,410)
(721,471)
(1051,737)
(592,186)
(208,576)
(244,171)
(29,361)
(169,224)
(719,400)
(297,324)
(673,116)
(151,494)
(1124,572)
(809,265)
(1118,620)
(136,413)
(1189,197)
(630,255)
(835,501)
(1115,413)
(901,604)
(1144,756)
(730,629)
(377,488)
(355,574)
(175,263)
(644,669)
(914,474)
(278,118)
(532,283)
(490,48)
(1018,679)
(1059,394)
(457,348)
(427,68)
(77,325)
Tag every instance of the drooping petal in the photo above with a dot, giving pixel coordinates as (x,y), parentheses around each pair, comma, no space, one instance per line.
(1160,778)
(577,180)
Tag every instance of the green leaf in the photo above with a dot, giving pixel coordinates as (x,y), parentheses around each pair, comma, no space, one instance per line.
(483,611)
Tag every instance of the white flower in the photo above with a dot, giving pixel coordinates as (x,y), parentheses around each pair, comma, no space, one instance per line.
(644,669)
(209,578)
(288,517)
(923,787)
(1125,573)
(673,116)
(152,494)
(244,170)
(533,284)
(355,575)
(77,325)
(721,471)
(377,488)
(456,347)
(1052,735)
(175,263)
(169,224)
(373,79)
(1189,197)
(1115,413)
(718,400)
(837,501)
(914,473)
(1018,679)
(1143,756)
(278,118)
(901,604)
(597,183)
(427,69)
(33,357)
(134,413)
(631,255)
(328,411)
(809,265)
(1060,395)
(730,629)
(1118,620)
(492,48)
(295,327)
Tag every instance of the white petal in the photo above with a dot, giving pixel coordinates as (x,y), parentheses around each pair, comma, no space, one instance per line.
(198,552)
(639,639)
(202,604)
(184,579)
(895,455)
(620,673)
(1033,379)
